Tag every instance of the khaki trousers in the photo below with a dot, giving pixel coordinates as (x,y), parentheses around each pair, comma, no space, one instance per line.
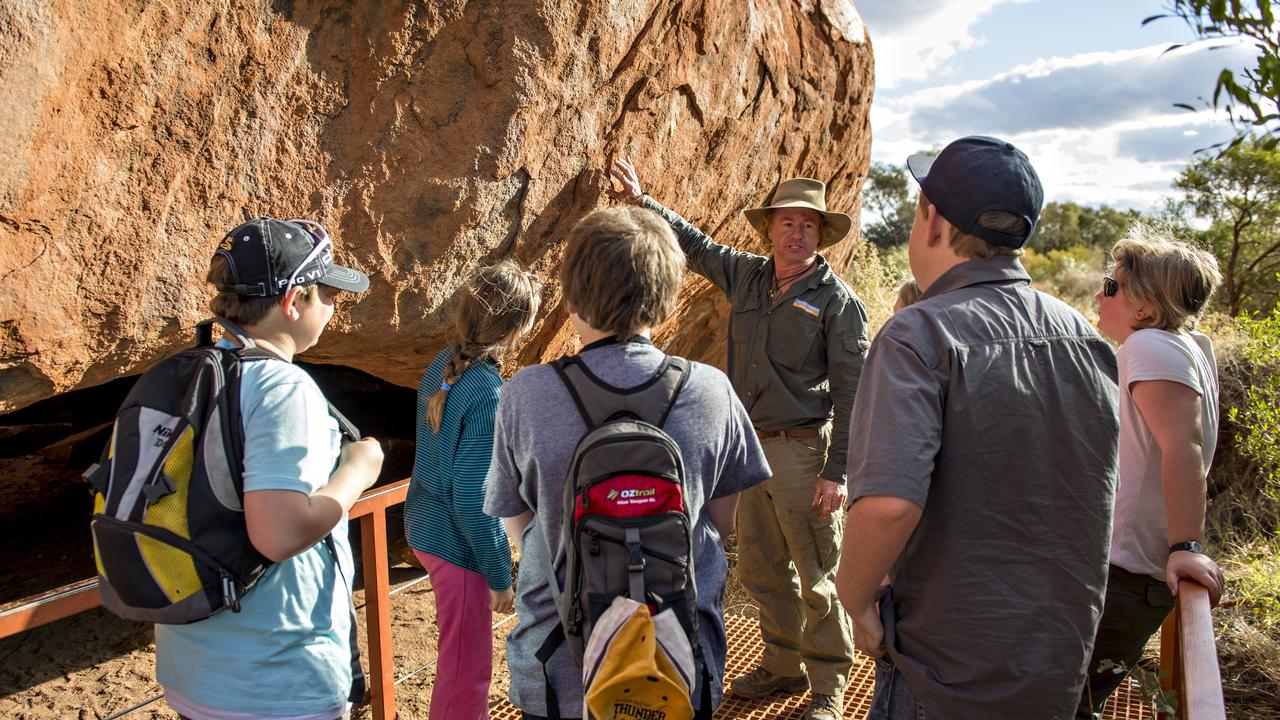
(787,558)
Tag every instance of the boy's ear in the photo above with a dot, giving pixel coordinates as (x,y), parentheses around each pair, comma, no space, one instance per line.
(291,302)
(935,225)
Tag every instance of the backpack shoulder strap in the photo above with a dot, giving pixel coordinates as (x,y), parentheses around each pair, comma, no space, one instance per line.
(249,350)
(598,401)
(204,332)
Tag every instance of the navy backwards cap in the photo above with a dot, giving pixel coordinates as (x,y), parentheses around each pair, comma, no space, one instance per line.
(267,257)
(978,174)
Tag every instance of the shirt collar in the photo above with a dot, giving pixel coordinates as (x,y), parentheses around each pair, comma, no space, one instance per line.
(821,275)
(613,340)
(999,269)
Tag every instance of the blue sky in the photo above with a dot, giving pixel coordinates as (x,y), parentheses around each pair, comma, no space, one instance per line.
(1080,85)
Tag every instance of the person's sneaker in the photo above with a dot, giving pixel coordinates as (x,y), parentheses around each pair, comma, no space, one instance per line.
(761,683)
(825,707)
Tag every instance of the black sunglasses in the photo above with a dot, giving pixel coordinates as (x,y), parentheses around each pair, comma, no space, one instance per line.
(1110,286)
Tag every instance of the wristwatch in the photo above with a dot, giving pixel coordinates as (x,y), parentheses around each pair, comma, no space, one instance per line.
(1190,546)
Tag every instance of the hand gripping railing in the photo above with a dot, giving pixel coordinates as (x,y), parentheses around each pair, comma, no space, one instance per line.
(370,510)
(1189,656)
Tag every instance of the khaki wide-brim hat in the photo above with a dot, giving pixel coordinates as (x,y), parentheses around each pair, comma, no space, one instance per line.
(802,193)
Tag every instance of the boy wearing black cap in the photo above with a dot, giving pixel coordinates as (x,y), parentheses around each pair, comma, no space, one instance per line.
(286,654)
(982,464)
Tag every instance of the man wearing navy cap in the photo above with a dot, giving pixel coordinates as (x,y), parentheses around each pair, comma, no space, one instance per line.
(982,464)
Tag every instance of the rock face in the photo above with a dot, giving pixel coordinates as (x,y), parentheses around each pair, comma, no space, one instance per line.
(429,137)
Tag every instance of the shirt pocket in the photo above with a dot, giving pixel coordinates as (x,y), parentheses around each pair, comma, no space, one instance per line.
(744,316)
(791,337)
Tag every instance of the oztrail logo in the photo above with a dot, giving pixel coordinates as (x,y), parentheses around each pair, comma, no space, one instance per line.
(637,493)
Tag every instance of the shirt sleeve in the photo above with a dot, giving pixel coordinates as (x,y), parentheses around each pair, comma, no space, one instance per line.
(744,464)
(720,264)
(291,442)
(1159,356)
(846,350)
(898,433)
(482,532)
(502,494)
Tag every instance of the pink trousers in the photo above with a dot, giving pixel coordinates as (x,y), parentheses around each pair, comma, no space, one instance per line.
(464,666)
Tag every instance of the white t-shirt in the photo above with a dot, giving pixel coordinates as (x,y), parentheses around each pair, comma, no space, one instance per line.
(1139,536)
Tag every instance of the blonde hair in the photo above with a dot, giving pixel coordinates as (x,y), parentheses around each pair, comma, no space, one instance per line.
(621,271)
(908,293)
(1174,278)
(242,310)
(499,305)
(975,248)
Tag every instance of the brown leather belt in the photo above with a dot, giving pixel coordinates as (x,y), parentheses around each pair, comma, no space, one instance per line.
(789,432)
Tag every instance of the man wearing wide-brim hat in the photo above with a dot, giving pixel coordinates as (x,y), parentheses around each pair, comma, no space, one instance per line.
(797,337)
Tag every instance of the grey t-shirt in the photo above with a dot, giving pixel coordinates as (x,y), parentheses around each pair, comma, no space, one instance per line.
(536,431)
(992,406)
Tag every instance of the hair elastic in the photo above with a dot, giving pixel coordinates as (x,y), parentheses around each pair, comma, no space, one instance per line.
(444,386)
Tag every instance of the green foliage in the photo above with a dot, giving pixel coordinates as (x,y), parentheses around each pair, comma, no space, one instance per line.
(1166,701)
(1251,97)
(1063,225)
(1258,417)
(890,195)
(1238,191)
(1072,274)
(874,276)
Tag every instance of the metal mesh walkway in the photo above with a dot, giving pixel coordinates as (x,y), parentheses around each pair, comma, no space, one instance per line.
(746,649)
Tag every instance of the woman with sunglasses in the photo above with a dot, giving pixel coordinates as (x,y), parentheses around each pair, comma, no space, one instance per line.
(1150,303)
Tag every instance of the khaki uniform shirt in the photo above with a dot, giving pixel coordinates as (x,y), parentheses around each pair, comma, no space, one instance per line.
(794,360)
(992,406)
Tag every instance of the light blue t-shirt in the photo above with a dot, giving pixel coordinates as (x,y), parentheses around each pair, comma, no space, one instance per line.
(286,653)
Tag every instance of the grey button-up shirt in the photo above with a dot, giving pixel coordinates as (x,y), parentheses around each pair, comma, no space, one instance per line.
(993,407)
(794,360)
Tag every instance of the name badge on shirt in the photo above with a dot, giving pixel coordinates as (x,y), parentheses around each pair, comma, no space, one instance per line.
(807,307)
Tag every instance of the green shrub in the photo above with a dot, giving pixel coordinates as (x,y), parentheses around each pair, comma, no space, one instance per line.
(1071,274)
(1258,414)
(874,275)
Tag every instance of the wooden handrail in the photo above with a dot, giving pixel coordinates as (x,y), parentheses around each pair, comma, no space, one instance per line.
(370,510)
(1189,656)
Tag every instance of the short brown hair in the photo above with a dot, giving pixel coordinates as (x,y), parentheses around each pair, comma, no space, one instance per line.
(1175,279)
(242,311)
(622,269)
(975,248)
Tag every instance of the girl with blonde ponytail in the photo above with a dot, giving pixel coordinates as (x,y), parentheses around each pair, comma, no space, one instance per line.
(465,551)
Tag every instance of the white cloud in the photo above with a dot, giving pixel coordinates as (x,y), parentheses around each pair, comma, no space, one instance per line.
(916,39)
(1099,127)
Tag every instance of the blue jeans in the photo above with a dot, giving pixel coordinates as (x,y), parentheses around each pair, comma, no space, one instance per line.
(893,700)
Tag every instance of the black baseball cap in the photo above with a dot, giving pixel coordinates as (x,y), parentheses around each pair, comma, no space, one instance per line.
(267,257)
(977,174)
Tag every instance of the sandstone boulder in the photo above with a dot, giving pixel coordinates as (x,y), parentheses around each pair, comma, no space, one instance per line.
(428,136)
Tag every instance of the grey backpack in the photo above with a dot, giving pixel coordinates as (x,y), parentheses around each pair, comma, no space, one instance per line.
(626,528)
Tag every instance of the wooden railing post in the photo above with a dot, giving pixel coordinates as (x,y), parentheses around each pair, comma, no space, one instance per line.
(371,510)
(1190,655)
(373,536)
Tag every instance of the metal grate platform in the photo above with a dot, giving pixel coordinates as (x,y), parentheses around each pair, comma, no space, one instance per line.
(746,648)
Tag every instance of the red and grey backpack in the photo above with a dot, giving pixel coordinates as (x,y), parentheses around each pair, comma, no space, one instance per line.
(626,528)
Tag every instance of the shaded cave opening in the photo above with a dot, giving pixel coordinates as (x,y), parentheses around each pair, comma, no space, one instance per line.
(45,447)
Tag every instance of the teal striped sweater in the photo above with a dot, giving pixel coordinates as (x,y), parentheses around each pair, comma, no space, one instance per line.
(444,514)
